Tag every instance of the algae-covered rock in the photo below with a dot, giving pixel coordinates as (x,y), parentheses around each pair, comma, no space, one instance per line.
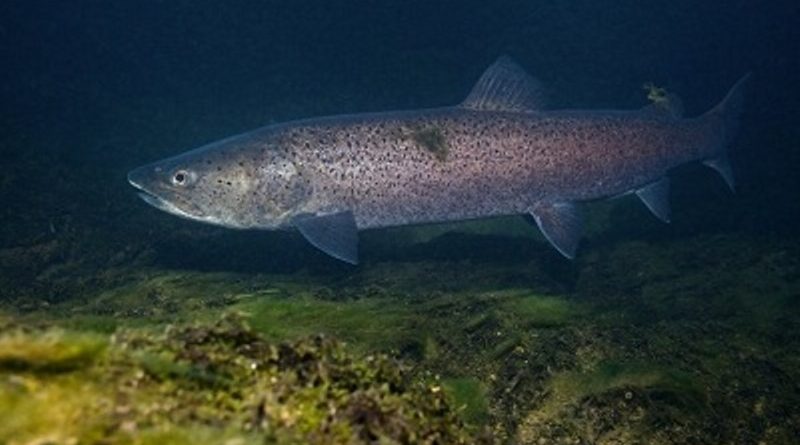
(638,349)
(212,384)
(52,351)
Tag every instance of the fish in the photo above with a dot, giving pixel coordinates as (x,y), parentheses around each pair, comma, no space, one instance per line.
(499,152)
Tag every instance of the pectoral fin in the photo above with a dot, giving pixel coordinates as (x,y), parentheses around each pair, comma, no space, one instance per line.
(656,197)
(561,224)
(335,234)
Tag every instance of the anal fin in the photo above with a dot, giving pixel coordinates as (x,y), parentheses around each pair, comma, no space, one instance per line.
(335,234)
(561,224)
(656,197)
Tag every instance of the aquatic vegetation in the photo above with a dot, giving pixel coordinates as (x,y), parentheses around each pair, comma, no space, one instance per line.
(67,408)
(539,311)
(469,396)
(664,100)
(656,95)
(51,351)
(526,362)
(571,387)
(367,324)
(616,401)
(223,382)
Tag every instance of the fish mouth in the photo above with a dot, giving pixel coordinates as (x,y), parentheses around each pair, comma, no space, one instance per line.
(164,205)
(153,199)
(135,177)
(146,196)
(156,202)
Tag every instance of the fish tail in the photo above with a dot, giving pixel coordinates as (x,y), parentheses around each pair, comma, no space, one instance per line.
(726,116)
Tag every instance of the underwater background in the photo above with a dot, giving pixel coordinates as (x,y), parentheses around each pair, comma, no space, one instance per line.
(122,324)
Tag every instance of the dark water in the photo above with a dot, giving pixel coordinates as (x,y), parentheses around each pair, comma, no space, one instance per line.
(91,89)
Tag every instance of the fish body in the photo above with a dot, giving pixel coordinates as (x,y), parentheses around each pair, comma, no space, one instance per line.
(497,153)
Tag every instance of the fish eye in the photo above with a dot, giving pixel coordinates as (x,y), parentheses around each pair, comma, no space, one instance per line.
(180,177)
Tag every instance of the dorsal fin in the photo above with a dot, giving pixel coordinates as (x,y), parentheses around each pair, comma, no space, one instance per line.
(505,86)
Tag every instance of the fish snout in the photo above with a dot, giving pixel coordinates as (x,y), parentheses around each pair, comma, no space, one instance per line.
(141,177)
(146,180)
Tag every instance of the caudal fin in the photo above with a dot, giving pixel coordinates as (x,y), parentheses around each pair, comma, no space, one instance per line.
(728,113)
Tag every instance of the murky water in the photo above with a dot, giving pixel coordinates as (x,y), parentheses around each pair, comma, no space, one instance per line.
(123,324)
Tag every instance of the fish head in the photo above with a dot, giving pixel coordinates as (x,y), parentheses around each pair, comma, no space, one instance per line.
(229,186)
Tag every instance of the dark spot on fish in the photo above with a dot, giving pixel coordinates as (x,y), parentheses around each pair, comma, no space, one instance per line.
(432,140)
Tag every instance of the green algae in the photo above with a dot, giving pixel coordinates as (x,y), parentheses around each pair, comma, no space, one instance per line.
(469,396)
(367,323)
(282,311)
(173,435)
(62,409)
(540,311)
(616,402)
(571,387)
(158,296)
(226,383)
(51,351)
(529,361)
